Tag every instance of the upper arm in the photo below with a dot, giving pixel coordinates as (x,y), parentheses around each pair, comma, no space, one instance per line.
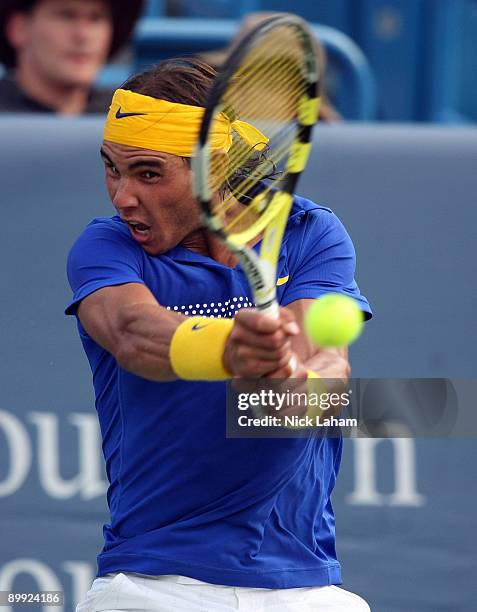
(104,313)
(103,256)
(321,259)
(105,273)
(114,305)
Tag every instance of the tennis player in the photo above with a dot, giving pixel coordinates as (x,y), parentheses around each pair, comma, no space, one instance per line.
(199,521)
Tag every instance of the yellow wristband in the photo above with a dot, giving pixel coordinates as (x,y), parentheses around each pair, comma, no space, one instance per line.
(197,348)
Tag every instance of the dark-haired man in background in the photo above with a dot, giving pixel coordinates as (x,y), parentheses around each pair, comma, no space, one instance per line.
(53,50)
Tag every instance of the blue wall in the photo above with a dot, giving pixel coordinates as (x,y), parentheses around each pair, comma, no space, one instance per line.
(423,52)
(406,509)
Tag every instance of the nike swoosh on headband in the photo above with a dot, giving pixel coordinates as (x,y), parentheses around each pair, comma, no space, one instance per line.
(120,115)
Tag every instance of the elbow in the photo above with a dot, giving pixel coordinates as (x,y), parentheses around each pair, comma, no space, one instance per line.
(342,370)
(127,355)
(140,348)
(126,349)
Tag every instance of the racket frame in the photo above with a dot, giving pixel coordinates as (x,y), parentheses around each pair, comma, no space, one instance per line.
(261,268)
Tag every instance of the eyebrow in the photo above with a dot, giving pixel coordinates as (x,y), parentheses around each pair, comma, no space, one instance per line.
(150,163)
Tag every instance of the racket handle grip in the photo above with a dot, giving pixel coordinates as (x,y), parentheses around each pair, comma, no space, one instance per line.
(272,310)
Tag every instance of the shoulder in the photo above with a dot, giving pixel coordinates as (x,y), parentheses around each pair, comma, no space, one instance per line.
(109,226)
(307,218)
(9,96)
(303,206)
(104,231)
(316,236)
(7,84)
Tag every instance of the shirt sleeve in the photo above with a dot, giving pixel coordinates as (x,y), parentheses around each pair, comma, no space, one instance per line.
(322,259)
(103,256)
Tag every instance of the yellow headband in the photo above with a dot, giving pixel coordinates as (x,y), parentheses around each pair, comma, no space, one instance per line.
(141,121)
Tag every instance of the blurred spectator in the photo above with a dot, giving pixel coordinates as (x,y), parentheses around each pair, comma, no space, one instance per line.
(53,50)
(328,114)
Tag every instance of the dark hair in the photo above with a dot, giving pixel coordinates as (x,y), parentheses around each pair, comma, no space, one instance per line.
(180,80)
(25,5)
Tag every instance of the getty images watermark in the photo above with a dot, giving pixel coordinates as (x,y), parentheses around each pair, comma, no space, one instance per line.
(359,407)
(293,409)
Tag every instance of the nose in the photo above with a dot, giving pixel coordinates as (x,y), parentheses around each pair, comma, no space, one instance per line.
(124,196)
(83,30)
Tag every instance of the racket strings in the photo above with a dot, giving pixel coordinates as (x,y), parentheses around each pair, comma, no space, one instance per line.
(267,168)
(245,97)
(242,189)
(265,91)
(245,187)
(249,85)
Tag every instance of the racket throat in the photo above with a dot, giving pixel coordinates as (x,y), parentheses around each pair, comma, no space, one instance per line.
(261,276)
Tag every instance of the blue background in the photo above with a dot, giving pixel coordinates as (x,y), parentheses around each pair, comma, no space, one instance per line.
(406,509)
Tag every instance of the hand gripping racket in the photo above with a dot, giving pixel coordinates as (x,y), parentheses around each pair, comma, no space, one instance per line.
(268,90)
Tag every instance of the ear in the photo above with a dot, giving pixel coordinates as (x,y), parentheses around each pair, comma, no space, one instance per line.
(16,30)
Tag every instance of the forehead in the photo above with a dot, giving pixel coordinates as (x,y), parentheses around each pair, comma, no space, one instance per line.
(126,153)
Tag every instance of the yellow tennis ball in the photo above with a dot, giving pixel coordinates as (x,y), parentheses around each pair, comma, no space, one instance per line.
(334,320)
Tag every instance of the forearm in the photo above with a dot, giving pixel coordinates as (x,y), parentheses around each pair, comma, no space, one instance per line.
(145,334)
(128,322)
(330,363)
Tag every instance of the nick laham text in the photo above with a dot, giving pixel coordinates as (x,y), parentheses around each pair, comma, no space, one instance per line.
(295,421)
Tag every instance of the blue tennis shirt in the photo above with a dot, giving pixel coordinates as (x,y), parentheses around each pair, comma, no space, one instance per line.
(183,498)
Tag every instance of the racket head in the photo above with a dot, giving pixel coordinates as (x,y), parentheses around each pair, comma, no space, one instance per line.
(268,91)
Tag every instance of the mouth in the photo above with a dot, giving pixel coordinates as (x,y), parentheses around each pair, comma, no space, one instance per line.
(140,231)
(81,58)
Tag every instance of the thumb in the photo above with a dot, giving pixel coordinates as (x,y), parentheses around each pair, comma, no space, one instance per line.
(289,324)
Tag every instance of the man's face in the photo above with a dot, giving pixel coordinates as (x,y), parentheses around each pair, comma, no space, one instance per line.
(66,41)
(152,193)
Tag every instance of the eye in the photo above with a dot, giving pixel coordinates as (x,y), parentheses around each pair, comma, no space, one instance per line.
(112,169)
(64,13)
(99,17)
(149,175)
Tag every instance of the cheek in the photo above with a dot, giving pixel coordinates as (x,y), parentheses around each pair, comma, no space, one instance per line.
(43,41)
(188,203)
(187,208)
(111,186)
(103,38)
(54,36)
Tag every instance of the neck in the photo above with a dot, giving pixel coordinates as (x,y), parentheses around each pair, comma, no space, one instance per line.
(64,99)
(205,243)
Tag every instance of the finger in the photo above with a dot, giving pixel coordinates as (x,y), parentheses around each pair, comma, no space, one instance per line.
(290,369)
(253,320)
(279,357)
(253,369)
(289,324)
(249,365)
(272,341)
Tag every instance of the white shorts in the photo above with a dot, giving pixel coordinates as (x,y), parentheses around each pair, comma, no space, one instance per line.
(137,593)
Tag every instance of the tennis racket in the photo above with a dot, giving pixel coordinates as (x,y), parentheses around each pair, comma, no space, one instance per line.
(268,88)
